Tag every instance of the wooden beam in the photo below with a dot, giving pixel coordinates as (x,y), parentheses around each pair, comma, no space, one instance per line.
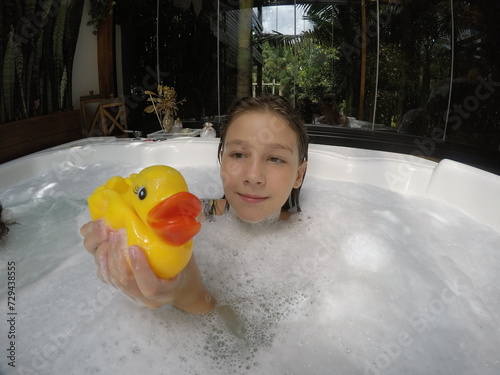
(244,58)
(363,61)
(23,137)
(106,56)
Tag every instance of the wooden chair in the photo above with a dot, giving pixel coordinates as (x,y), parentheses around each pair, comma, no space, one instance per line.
(110,114)
(89,106)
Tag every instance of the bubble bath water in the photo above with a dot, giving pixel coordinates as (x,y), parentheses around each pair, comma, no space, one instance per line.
(363,281)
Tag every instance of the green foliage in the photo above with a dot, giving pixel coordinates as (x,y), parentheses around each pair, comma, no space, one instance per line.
(414,55)
(316,71)
(57,41)
(19,68)
(8,79)
(99,10)
(311,63)
(278,68)
(37,45)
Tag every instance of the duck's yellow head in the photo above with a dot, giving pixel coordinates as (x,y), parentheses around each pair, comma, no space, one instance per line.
(160,197)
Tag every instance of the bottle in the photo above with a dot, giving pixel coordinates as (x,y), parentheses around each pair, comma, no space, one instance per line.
(177,128)
(208,131)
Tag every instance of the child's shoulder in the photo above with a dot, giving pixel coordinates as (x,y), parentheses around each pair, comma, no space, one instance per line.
(285,215)
(213,207)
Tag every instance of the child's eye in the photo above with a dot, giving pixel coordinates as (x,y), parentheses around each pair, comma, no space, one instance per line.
(236,155)
(278,160)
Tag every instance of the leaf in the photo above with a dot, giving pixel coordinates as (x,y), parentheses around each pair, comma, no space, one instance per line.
(45,9)
(29,8)
(98,12)
(8,77)
(62,88)
(58,38)
(35,71)
(19,62)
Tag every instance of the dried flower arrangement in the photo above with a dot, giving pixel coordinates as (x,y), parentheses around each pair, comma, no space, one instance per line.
(164,102)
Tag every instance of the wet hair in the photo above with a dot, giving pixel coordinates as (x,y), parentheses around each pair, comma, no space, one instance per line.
(281,107)
(3,228)
(330,97)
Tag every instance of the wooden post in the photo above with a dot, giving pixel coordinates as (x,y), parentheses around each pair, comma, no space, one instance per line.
(363,61)
(106,55)
(244,58)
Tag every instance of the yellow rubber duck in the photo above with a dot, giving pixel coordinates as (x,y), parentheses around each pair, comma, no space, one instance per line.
(157,211)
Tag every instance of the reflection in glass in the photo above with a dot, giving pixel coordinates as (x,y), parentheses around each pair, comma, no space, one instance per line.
(427,69)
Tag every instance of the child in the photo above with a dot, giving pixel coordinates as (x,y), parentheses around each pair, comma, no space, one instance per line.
(263,159)
(330,111)
(3,223)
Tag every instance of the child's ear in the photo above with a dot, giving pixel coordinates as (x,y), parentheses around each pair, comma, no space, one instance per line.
(300,175)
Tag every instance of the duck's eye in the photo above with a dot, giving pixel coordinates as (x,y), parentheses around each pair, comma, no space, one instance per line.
(141,193)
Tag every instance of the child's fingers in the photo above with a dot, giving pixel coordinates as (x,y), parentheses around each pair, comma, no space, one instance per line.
(86,228)
(151,287)
(94,233)
(121,275)
(102,270)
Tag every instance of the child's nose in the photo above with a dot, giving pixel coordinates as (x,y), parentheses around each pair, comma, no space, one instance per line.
(254,173)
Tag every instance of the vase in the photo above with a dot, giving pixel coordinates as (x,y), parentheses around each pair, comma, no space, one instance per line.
(168,121)
(208,131)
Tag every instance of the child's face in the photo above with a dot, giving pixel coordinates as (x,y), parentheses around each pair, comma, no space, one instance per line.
(260,165)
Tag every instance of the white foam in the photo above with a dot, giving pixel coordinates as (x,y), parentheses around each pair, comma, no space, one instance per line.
(362,281)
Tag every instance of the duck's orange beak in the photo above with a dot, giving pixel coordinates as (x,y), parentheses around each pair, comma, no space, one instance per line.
(174,219)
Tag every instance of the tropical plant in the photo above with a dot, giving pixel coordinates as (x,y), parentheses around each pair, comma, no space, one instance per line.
(316,74)
(37,46)
(99,10)
(315,57)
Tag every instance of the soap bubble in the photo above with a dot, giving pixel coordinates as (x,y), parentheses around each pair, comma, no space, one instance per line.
(362,281)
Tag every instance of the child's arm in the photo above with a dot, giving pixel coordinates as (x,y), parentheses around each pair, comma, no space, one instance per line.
(185,291)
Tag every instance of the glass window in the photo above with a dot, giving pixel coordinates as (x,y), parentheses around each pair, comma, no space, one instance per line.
(410,76)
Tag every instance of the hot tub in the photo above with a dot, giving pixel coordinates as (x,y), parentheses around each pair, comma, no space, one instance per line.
(392,267)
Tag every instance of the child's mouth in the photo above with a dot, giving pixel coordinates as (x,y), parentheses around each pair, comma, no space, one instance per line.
(248,198)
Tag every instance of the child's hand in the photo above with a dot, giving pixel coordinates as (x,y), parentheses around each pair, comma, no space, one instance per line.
(137,280)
